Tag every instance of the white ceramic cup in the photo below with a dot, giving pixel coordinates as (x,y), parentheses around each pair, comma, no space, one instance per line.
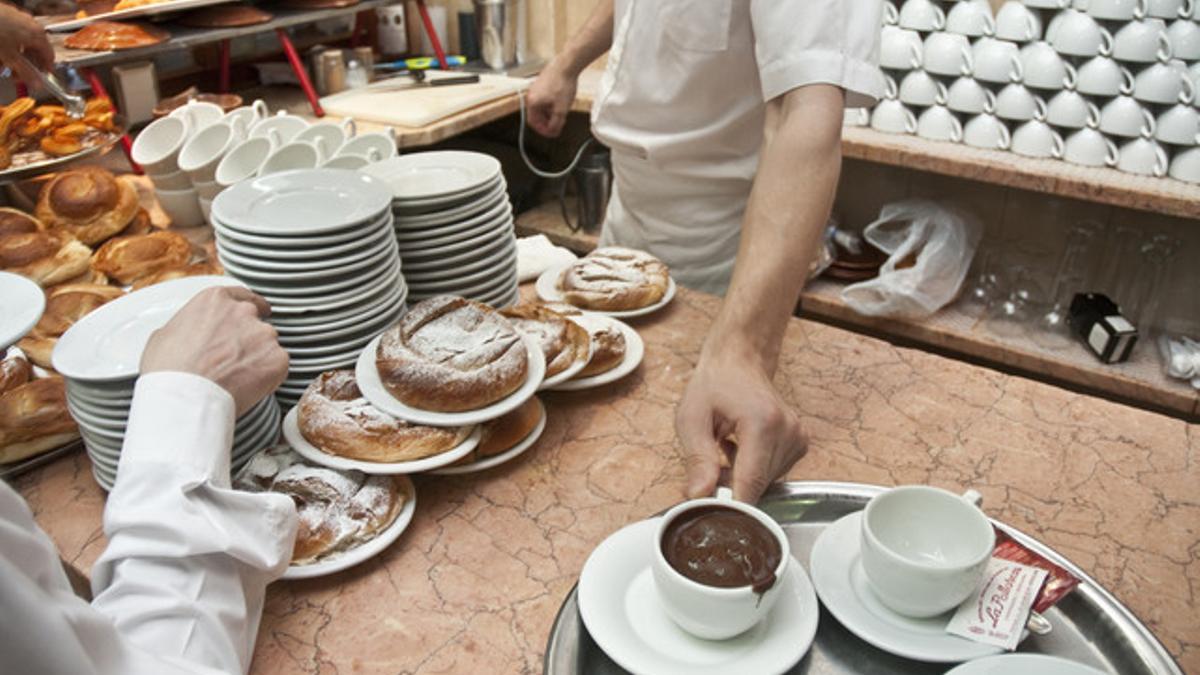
(938,123)
(208,191)
(1164,83)
(176,180)
(202,153)
(1047,4)
(328,136)
(924,550)
(947,54)
(891,15)
(1167,9)
(1016,102)
(245,159)
(893,117)
(996,61)
(156,148)
(248,114)
(1178,125)
(1103,76)
(205,209)
(1117,10)
(1142,41)
(1079,34)
(1124,116)
(1089,147)
(375,146)
(1035,138)
(291,156)
(1144,157)
(900,48)
(972,19)
(356,162)
(922,15)
(1044,68)
(181,206)
(199,114)
(1194,69)
(710,612)
(286,126)
(967,95)
(1184,35)
(1072,110)
(921,89)
(1186,165)
(1017,23)
(988,132)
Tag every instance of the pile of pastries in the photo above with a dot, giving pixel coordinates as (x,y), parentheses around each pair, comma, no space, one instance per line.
(614,279)
(33,412)
(31,133)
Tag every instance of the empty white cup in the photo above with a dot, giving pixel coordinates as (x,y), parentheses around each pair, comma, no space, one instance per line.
(1072,110)
(375,146)
(1178,125)
(900,48)
(1186,164)
(996,61)
(988,132)
(1142,41)
(922,89)
(181,206)
(156,148)
(922,15)
(1117,10)
(1035,138)
(893,117)
(290,156)
(1017,23)
(1144,157)
(245,160)
(1018,103)
(969,96)
(947,54)
(329,136)
(1044,68)
(1167,9)
(1165,83)
(199,114)
(972,19)
(356,162)
(248,114)
(176,180)
(1089,147)
(1079,34)
(286,126)
(208,191)
(202,153)
(938,123)
(1103,76)
(1124,116)
(1184,35)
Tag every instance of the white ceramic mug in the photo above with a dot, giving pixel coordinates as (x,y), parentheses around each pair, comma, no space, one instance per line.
(1117,10)
(967,95)
(1194,69)
(356,162)
(1186,165)
(375,146)
(206,209)
(248,114)
(1178,125)
(710,612)
(199,114)
(924,550)
(1047,4)
(181,206)
(891,15)
(287,126)
(938,123)
(208,191)
(947,54)
(1165,83)
(1017,23)
(900,48)
(921,89)
(245,159)
(1044,68)
(893,117)
(202,153)
(1103,76)
(972,19)
(922,15)
(1124,116)
(329,137)
(291,156)
(1184,35)
(1142,41)
(996,61)
(156,148)
(1016,102)
(1072,110)
(1035,138)
(176,180)
(1144,157)
(1167,9)
(988,132)
(1079,34)
(1089,147)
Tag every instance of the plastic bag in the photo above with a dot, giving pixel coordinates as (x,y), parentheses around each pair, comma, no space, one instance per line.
(930,247)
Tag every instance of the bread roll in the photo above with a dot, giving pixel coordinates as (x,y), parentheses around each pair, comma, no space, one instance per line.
(14,372)
(614,279)
(89,276)
(128,259)
(140,224)
(45,257)
(88,202)
(562,341)
(334,416)
(13,221)
(193,270)
(34,418)
(608,349)
(449,354)
(106,36)
(505,432)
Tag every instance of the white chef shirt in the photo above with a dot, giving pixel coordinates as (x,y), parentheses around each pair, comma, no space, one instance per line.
(682,105)
(180,587)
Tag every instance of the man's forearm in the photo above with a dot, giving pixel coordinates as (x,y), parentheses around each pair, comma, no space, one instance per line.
(590,42)
(785,217)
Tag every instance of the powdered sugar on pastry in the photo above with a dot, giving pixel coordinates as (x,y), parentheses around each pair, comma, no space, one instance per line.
(614,279)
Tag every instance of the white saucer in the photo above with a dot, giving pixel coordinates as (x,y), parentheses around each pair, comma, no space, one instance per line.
(373,390)
(21,305)
(305,323)
(497,460)
(306,202)
(499,247)
(374,320)
(448,216)
(571,371)
(315,281)
(619,606)
(1025,664)
(547,289)
(437,173)
(486,289)
(269,248)
(308,245)
(366,551)
(487,259)
(455,285)
(453,232)
(635,349)
(343,302)
(263,259)
(444,203)
(840,581)
(291,433)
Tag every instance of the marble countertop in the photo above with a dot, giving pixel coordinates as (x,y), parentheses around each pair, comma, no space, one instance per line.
(474,584)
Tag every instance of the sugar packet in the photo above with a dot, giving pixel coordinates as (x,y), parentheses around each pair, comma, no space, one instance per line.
(996,613)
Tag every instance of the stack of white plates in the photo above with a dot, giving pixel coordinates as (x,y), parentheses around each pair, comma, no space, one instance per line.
(454,225)
(318,244)
(99,356)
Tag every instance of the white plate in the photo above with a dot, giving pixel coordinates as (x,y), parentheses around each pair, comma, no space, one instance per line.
(319,364)
(264,258)
(304,202)
(301,275)
(385,313)
(554,380)
(279,290)
(142,10)
(484,290)
(341,345)
(438,173)
(1025,664)
(489,252)
(497,460)
(302,323)
(485,212)
(269,249)
(324,305)
(366,550)
(373,390)
(840,581)
(451,215)
(487,258)
(309,246)
(21,305)
(416,207)
(452,286)
(547,289)
(619,605)
(420,254)
(485,222)
(107,343)
(291,433)
(635,349)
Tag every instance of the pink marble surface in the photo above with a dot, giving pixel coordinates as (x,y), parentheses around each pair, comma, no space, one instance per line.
(474,585)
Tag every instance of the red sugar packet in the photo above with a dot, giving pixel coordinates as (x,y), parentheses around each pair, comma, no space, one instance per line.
(1059,582)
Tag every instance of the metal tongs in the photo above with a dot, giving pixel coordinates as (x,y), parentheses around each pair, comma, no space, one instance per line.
(73,103)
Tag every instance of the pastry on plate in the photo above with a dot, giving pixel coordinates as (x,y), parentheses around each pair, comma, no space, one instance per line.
(47,258)
(139,225)
(614,279)
(64,306)
(449,354)
(505,432)
(197,269)
(334,416)
(339,509)
(14,221)
(34,419)
(106,36)
(128,259)
(562,341)
(608,347)
(89,203)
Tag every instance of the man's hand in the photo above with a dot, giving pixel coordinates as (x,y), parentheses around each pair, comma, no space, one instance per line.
(731,398)
(220,335)
(549,100)
(21,34)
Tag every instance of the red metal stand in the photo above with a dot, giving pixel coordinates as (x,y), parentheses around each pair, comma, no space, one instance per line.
(223,71)
(361,26)
(99,90)
(433,36)
(22,90)
(301,72)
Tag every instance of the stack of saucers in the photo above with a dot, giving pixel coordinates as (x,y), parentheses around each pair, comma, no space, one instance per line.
(454,225)
(99,356)
(318,244)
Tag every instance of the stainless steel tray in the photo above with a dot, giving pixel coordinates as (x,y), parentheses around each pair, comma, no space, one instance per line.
(1090,625)
(101,144)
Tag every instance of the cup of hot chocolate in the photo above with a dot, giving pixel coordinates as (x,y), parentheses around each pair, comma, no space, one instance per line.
(924,550)
(718,565)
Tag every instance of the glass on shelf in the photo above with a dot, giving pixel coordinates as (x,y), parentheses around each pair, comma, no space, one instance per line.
(1051,330)
(1015,313)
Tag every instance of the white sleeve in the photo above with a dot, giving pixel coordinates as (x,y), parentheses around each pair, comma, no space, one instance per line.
(799,42)
(180,587)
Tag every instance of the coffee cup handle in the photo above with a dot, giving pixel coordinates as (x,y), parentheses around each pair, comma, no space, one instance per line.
(1188,93)
(1127,82)
(915,57)
(956,130)
(350,127)
(1057,145)
(319,145)
(1165,49)
(1161,161)
(1071,79)
(1106,42)
(889,87)
(1149,124)
(390,132)
(373,155)
(1113,153)
(274,138)
(1093,115)
(1140,8)
(910,122)
(989,25)
(1005,141)
(989,101)
(890,15)
(724,493)
(968,62)
(260,108)
(1186,9)
(1030,27)
(281,113)
(1016,71)
(939,18)
(1039,108)
(940,94)
(974,498)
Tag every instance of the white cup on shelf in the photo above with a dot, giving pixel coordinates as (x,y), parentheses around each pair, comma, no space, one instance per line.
(375,146)
(939,123)
(329,137)
(947,54)
(988,132)
(1117,10)
(1044,68)
(996,61)
(1186,164)
(891,15)
(156,148)
(893,117)
(1164,83)
(1047,4)
(1144,157)
(971,19)
(1124,116)
(245,159)
(919,88)
(1017,23)
(290,156)
(1078,34)
(1168,9)
(1184,35)
(181,206)
(967,95)
(286,126)
(1037,139)
(1178,125)
(922,15)
(202,153)
(1072,110)
(1089,147)
(248,114)
(900,48)
(1103,76)
(1016,102)
(199,114)
(1142,41)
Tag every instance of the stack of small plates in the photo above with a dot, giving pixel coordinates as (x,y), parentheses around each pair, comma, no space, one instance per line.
(99,356)
(318,244)
(454,225)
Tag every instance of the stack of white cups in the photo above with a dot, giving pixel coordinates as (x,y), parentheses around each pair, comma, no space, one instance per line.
(1095,82)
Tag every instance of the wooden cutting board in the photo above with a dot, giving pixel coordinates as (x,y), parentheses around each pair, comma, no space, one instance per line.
(416,107)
